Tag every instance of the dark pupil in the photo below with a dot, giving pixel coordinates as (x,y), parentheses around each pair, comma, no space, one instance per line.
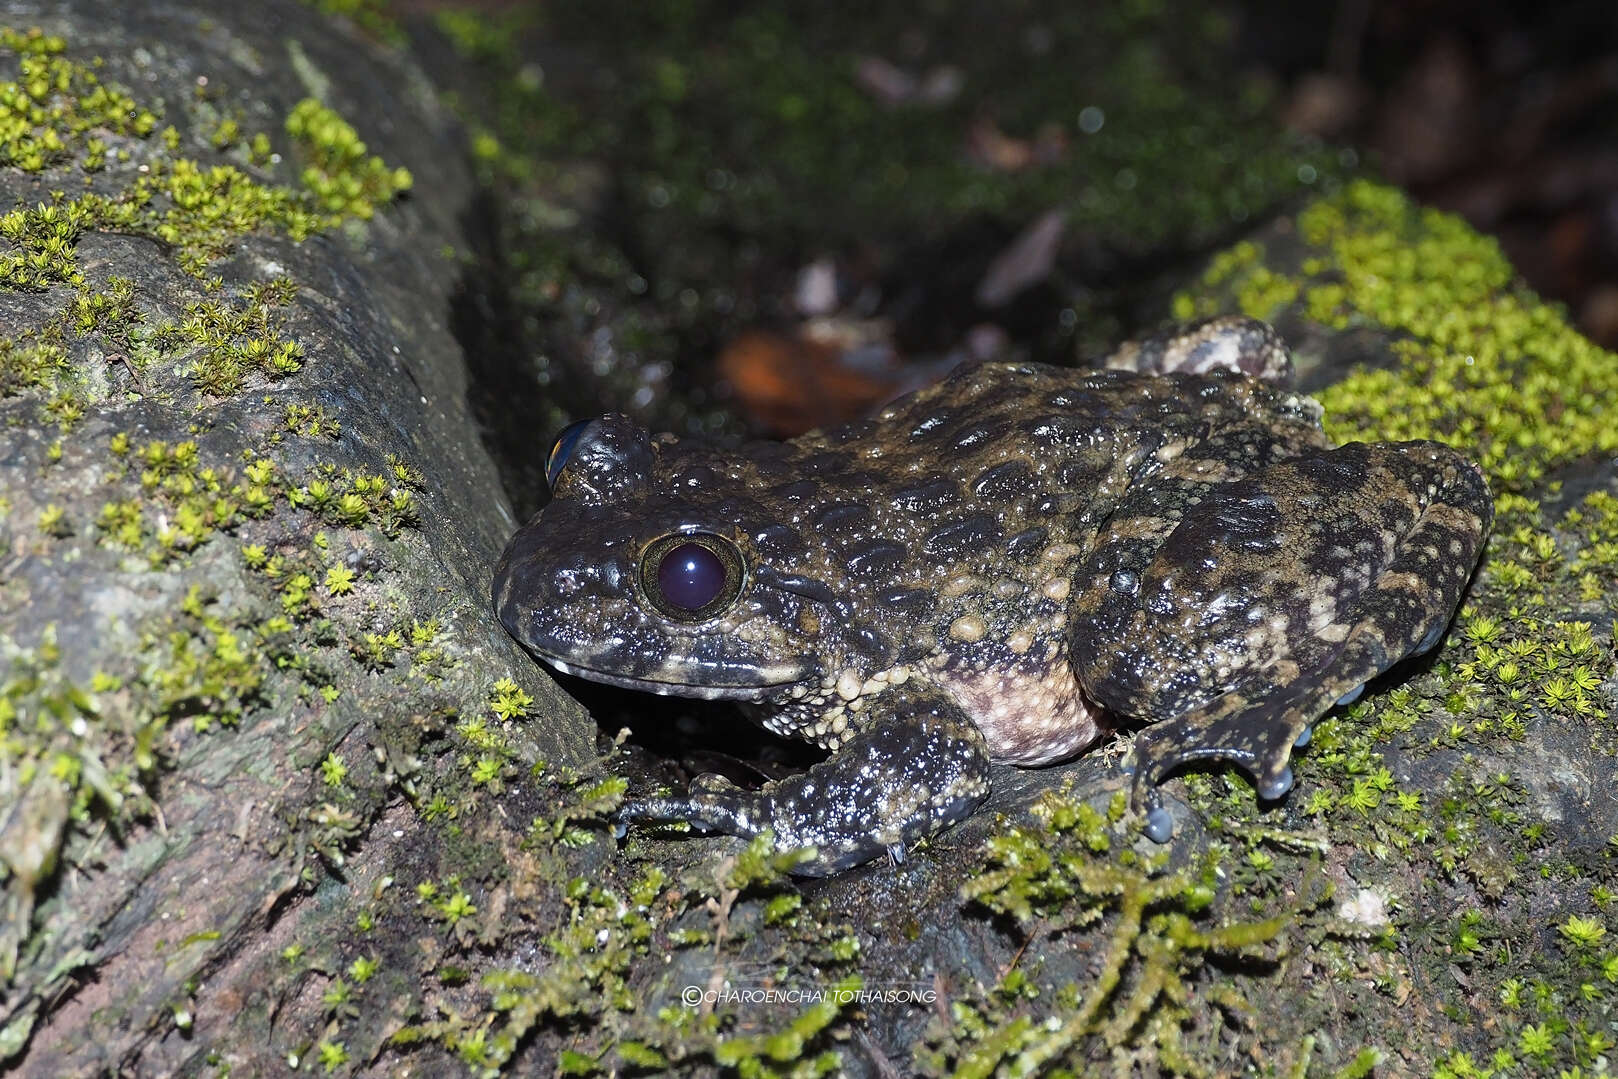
(690,576)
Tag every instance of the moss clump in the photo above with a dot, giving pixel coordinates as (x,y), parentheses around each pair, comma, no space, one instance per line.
(606,933)
(1076,869)
(1484,364)
(197,208)
(49,111)
(72,752)
(197,211)
(343,178)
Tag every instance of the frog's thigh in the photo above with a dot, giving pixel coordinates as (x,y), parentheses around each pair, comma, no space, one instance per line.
(1283,592)
(915,768)
(1228,343)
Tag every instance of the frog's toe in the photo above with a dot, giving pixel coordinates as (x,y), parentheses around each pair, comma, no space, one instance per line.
(1159,826)
(1306,737)
(1351,696)
(1277,786)
(704,811)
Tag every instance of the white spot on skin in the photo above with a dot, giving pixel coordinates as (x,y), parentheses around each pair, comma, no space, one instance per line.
(1323,606)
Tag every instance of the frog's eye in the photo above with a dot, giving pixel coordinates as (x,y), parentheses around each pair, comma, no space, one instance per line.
(691,576)
(562,451)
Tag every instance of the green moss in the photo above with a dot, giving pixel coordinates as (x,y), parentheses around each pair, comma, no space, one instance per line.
(196,210)
(48,110)
(1486,366)
(609,929)
(372,16)
(83,753)
(344,179)
(1080,869)
(76,752)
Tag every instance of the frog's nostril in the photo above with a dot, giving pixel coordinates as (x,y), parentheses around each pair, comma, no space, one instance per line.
(568,583)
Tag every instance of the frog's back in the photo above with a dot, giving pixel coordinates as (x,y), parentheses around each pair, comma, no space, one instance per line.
(956,513)
(1026,440)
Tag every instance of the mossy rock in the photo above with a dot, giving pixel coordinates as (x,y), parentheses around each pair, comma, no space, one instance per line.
(245,648)
(278,791)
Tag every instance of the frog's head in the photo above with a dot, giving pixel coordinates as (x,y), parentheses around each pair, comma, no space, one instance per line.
(643,571)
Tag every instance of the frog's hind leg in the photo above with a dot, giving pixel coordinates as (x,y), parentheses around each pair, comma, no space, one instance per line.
(917,766)
(1281,594)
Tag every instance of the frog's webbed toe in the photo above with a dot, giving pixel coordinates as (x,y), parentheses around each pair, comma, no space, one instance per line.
(1258,736)
(915,768)
(1303,582)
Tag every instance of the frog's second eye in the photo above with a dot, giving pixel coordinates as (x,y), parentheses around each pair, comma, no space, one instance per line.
(562,451)
(691,576)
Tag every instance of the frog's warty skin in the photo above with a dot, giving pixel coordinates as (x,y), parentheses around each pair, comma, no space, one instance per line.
(987,567)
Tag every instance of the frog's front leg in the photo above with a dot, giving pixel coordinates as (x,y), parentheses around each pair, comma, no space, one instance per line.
(916,766)
(1273,598)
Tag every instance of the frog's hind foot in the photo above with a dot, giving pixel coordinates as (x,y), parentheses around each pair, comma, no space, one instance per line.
(1258,736)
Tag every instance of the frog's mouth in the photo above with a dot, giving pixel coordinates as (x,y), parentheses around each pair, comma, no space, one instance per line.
(761,683)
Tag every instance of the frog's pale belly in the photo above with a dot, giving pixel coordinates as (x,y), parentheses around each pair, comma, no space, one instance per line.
(1026,720)
(978,570)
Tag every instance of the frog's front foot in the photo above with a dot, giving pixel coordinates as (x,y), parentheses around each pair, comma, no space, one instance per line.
(914,769)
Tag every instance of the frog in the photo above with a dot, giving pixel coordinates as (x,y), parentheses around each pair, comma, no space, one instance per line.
(1005,568)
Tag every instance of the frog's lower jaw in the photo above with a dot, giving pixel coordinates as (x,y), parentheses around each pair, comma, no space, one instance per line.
(908,774)
(754,692)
